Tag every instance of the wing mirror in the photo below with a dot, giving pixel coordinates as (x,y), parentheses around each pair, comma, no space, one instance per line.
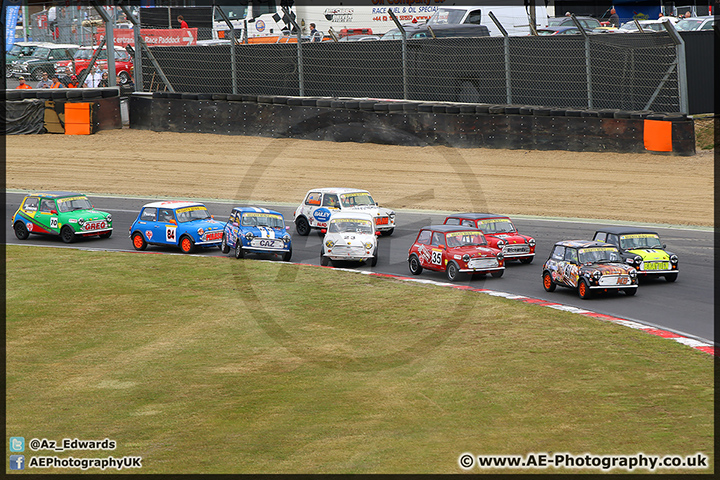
(287,227)
(54,212)
(378,233)
(664,246)
(323,230)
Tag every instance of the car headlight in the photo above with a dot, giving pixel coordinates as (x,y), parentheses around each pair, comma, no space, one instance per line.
(632,273)
(638,259)
(249,236)
(501,243)
(368,245)
(500,256)
(673,259)
(531,242)
(466,258)
(286,238)
(329,244)
(108,218)
(596,275)
(200,231)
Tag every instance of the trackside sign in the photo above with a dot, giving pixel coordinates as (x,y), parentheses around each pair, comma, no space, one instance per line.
(180,37)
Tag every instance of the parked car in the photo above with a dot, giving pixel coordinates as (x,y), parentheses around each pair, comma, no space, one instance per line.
(648,26)
(81,60)
(454,250)
(256,230)
(350,236)
(320,203)
(438,31)
(43,59)
(642,249)
(696,23)
(548,31)
(178,223)
(64,214)
(588,266)
(18,51)
(500,233)
(588,23)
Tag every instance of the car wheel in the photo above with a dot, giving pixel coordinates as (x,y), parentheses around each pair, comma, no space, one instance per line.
(302,227)
(124,78)
(287,256)
(21,231)
(106,234)
(583,289)
(527,260)
(671,277)
(37,74)
(548,283)
(414,264)
(238,249)
(186,244)
(67,235)
(324,261)
(224,247)
(497,273)
(387,233)
(630,291)
(139,241)
(452,271)
(8,71)
(374,260)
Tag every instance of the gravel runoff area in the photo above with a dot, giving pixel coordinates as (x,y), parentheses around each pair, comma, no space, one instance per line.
(647,188)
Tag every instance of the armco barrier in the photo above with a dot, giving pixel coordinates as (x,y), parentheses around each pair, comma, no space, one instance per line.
(414,123)
(105,104)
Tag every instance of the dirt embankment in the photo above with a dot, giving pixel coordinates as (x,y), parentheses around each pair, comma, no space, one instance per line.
(631,187)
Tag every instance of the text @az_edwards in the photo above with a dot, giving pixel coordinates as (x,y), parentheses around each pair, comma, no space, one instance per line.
(585,461)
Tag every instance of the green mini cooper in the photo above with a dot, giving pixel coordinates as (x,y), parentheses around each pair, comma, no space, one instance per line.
(66,214)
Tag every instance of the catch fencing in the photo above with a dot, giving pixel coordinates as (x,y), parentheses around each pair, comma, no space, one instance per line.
(621,71)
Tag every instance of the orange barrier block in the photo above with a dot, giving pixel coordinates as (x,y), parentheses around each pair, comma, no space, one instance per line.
(657,135)
(78,119)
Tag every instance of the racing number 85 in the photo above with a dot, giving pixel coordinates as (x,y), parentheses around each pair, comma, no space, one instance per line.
(436,258)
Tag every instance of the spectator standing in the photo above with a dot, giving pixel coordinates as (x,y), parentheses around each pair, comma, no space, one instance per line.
(93,80)
(65,79)
(183,23)
(104,80)
(73,83)
(614,18)
(45,82)
(687,14)
(22,85)
(314,34)
(56,82)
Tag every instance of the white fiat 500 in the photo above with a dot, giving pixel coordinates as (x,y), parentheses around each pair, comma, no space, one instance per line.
(321,203)
(350,237)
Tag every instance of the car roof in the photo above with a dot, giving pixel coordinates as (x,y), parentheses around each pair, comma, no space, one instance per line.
(449,228)
(255,210)
(338,190)
(476,216)
(352,215)
(624,230)
(583,243)
(55,194)
(173,204)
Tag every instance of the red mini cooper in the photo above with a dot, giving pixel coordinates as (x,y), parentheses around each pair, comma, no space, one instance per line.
(454,250)
(500,233)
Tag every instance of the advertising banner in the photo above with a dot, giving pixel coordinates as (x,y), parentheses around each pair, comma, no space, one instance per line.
(164,37)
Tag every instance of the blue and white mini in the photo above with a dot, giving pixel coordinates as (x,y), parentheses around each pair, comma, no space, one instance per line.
(256,230)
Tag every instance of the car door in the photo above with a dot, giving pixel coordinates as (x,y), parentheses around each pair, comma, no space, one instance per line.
(165,229)
(437,244)
(570,269)
(146,222)
(47,216)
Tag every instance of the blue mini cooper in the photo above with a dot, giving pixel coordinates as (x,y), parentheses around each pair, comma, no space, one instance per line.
(256,230)
(183,224)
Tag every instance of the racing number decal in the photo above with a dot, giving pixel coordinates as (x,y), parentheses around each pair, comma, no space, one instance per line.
(53,222)
(436,258)
(170,234)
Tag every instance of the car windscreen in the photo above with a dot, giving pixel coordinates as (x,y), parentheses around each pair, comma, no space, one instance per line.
(83,54)
(350,225)
(41,52)
(464,239)
(189,214)
(70,204)
(356,199)
(446,16)
(496,225)
(599,255)
(640,240)
(688,24)
(254,219)
(15,50)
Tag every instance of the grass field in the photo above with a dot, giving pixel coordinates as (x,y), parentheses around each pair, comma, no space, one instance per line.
(215,365)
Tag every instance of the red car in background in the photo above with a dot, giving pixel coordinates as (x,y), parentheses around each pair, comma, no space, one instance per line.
(81,60)
(500,233)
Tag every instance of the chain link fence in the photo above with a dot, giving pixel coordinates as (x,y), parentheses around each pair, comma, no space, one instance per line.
(629,72)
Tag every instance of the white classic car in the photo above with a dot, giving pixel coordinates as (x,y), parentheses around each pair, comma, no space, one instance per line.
(321,203)
(350,236)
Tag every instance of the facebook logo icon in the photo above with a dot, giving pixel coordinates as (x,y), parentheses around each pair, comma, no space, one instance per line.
(17,444)
(17,462)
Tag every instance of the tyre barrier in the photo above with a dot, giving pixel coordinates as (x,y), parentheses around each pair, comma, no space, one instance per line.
(415,123)
(104,105)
